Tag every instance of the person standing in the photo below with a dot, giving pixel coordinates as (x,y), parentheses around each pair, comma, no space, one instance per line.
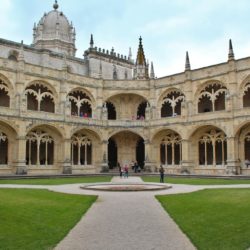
(126,171)
(161,170)
(120,169)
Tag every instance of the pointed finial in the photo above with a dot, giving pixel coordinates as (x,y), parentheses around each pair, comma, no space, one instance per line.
(187,64)
(91,41)
(55,5)
(140,40)
(231,52)
(152,72)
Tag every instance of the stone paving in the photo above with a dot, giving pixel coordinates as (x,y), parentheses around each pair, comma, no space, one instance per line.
(125,220)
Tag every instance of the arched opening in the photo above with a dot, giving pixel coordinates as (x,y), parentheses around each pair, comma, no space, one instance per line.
(127,106)
(4,95)
(141,110)
(212,148)
(39,148)
(140,152)
(3,149)
(40,98)
(111,111)
(171,105)
(126,147)
(247,148)
(170,149)
(112,153)
(81,149)
(12,58)
(246,96)
(81,104)
(212,98)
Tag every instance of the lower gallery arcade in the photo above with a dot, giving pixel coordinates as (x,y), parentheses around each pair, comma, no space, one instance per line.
(45,149)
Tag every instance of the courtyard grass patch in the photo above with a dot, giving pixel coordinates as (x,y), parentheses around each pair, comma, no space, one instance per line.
(57,181)
(215,219)
(195,181)
(38,219)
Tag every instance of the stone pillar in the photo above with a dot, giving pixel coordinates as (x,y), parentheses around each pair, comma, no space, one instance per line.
(20,162)
(186,163)
(104,163)
(66,164)
(233,163)
(149,166)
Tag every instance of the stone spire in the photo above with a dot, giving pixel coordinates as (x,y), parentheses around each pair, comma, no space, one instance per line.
(141,66)
(152,72)
(140,60)
(187,63)
(21,54)
(231,52)
(91,41)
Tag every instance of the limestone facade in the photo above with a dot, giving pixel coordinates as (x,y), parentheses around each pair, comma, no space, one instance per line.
(61,114)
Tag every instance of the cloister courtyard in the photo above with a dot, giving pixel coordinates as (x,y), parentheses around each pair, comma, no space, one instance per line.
(56,213)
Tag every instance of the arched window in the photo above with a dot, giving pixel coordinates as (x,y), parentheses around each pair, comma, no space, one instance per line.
(111,111)
(213,148)
(81,150)
(40,98)
(3,149)
(171,105)
(171,149)
(39,148)
(81,104)
(212,98)
(246,96)
(4,95)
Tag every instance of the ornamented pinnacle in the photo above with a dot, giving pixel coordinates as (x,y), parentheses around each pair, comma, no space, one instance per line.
(55,5)
(231,52)
(152,72)
(187,64)
(91,41)
(140,60)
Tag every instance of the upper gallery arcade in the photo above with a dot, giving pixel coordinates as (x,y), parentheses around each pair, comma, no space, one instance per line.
(62,114)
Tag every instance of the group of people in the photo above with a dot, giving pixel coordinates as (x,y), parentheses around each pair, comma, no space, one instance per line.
(124,170)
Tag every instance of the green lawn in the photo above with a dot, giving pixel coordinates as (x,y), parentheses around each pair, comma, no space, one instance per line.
(38,219)
(194,181)
(217,219)
(58,181)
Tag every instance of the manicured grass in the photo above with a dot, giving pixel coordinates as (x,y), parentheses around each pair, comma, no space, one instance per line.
(195,181)
(217,219)
(38,219)
(58,181)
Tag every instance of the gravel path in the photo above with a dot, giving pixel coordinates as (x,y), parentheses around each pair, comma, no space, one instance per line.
(125,220)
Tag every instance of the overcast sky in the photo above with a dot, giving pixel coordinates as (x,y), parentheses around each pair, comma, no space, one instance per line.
(169,28)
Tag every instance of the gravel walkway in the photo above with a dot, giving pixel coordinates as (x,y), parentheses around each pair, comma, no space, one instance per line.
(125,220)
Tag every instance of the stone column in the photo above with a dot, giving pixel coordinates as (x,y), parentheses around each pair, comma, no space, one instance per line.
(66,164)
(187,164)
(104,163)
(20,162)
(149,164)
(233,163)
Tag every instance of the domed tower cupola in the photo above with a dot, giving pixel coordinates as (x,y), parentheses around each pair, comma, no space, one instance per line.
(55,33)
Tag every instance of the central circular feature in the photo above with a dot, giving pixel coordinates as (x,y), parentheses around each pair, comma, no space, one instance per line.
(125,187)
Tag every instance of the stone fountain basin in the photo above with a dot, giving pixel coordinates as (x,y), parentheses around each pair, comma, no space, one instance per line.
(126,187)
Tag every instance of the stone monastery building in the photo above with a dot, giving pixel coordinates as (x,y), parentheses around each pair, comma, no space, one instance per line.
(62,114)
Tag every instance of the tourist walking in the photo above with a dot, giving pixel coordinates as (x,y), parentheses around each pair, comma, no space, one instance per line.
(161,170)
